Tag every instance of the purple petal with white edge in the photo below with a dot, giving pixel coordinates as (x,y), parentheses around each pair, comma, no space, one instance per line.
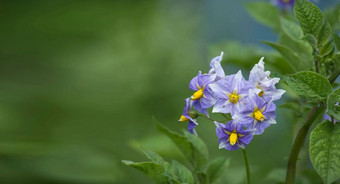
(197,105)
(257,73)
(221,87)
(205,79)
(194,82)
(216,67)
(260,126)
(247,138)
(191,127)
(273,94)
(220,130)
(222,106)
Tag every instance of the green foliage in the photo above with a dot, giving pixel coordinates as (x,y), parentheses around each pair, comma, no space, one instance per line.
(337,41)
(309,38)
(293,59)
(193,148)
(324,150)
(309,17)
(152,170)
(327,48)
(324,34)
(216,169)
(265,13)
(291,28)
(161,171)
(311,85)
(332,108)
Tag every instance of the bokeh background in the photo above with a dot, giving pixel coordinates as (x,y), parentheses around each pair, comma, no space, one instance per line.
(81,81)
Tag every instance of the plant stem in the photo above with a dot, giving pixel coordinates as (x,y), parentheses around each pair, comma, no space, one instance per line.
(316,61)
(247,165)
(298,143)
(206,117)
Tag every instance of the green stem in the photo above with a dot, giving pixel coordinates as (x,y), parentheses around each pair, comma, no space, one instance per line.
(247,165)
(206,117)
(298,143)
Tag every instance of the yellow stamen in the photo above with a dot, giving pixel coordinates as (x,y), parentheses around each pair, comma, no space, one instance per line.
(233,98)
(233,138)
(260,94)
(183,118)
(198,94)
(258,115)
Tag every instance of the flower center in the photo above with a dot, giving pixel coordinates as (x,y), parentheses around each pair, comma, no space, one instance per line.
(258,115)
(260,94)
(233,138)
(233,98)
(183,118)
(198,94)
(286,1)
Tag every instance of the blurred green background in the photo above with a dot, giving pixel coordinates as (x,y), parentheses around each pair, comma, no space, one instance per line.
(81,80)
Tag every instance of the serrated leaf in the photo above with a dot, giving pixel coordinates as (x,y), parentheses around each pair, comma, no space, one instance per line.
(261,10)
(193,148)
(333,104)
(152,170)
(293,59)
(180,173)
(309,38)
(291,28)
(217,168)
(311,85)
(324,150)
(309,16)
(327,48)
(337,41)
(324,34)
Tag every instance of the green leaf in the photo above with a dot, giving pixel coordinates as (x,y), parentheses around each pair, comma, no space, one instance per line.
(291,29)
(324,34)
(193,148)
(293,59)
(327,48)
(309,38)
(311,85)
(181,174)
(155,157)
(217,168)
(337,41)
(150,169)
(309,16)
(332,108)
(265,13)
(324,150)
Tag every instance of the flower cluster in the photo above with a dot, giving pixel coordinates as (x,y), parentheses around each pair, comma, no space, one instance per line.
(249,102)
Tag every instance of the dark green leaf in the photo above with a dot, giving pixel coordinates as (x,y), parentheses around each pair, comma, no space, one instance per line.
(309,16)
(217,168)
(337,41)
(293,59)
(324,34)
(324,150)
(150,169)
(265,13)
(311,40)
(181,174)
(291,29)
(191,146)
(311,85)
(333,104)
(327,48)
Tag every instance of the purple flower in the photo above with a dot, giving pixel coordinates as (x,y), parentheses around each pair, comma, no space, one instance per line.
(261,80)
(202,97)
(258,114)
(283,3)
(232,136)
(186,117)
(231,92)
(216,68)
